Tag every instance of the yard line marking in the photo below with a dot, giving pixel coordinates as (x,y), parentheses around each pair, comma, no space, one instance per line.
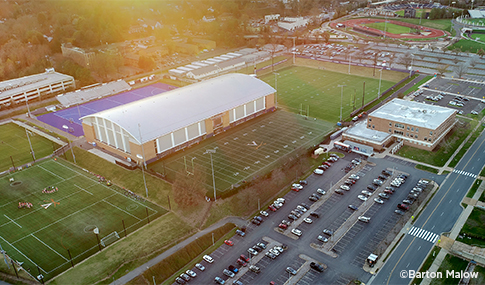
(122,210)
(12,221)
(84,190)
(23,255)
(50,247)
(52,173)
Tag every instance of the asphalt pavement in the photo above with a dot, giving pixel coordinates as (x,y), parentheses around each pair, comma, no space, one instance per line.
(438,217)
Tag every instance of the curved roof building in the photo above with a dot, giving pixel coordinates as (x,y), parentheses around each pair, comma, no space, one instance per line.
(178,118)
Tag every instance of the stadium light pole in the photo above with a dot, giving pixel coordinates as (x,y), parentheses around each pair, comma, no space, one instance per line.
(380,78)
(350,60)
(276,87)
(210,152)
(412,62)
(341,99)
(27,103)
(30,144)
(144,164)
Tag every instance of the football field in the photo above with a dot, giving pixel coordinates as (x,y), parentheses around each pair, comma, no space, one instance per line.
(14,145)
(249,150)
(316,91)
(50,214)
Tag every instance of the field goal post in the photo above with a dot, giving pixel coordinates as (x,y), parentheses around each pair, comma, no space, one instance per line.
(109,239)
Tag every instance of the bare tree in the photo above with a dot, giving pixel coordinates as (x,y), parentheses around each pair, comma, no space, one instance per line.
(189,189)
(406,60)
(460,69)
(441,69)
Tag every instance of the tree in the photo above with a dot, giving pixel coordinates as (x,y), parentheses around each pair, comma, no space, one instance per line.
(146,63)
(460,69)
(481,52)
(441,69)
(189,190)
(456,51)
(406,60)
(106,63)
(455,60)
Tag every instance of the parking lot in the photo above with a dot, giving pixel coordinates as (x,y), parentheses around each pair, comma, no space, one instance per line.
(352,249)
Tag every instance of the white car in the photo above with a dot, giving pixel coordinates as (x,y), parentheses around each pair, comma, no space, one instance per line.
(301,208)
(345,187)
(274,251)
(296,232)
(365,192)
(308,220)
(354,176)
(378,200)
(362,197)
(264,213)
(252,251)
(296,186)
(280,200)
(200,266)
(318,171)
(191,273)
(364,219)
(321,191)
(208,258)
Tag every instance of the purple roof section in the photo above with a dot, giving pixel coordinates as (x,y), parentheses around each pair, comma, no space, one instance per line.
(68,120)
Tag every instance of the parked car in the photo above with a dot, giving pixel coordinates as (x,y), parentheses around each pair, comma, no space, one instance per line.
(185,277)
(243,257)
(252,251)
(308,220)
(318,171)
(254,268)
(327,232)
(191,273)
(296,232)
(291,270)
(378,200)
(241,233)
(208,258)
(403,206)
(354,177)
(286,222)
(261,245)
(383,195)
(270,255)
(296,187)
(233,268)
(292,217)
(364,219)
(264,213)
(386,172)
(272,208)
(377,182)
(219,280)
(367,193)
(241,262)
(322,238)
(200,266)
(301,208)
(229,242)
(313,198)
(321,191)
(180,280)
(345,187)
(282,226)
(372,187)
(316,267)
(352,207)
(228,273)
(399,212)
(315,214)
(256,222)
(362,197)
(339,191)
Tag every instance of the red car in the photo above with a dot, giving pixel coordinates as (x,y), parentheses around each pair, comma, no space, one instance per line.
(388,191)
(229,242)
(327,164)
(243,257)
(283,226)
(241,262)
(403,206)
(272,208)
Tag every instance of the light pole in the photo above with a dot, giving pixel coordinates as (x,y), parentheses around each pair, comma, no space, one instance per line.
(341,99)
(380,78)
(30,144)
(412,61)
(144,164)
(350,60)
(294,50)
(72,152)
(276,87)
(27,103)
(210,152)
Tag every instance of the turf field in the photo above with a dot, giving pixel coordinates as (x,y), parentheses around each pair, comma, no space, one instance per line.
(247,151)
(302,88)
(390,28)
(14,143)
(60,225)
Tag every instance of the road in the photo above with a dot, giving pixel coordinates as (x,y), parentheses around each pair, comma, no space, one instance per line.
(438,217)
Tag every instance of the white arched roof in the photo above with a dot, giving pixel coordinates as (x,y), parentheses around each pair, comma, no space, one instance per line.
(167,112)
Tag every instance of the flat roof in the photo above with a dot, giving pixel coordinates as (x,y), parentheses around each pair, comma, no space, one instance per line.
(172,110)
(31,82)
(360,130)
(413,113)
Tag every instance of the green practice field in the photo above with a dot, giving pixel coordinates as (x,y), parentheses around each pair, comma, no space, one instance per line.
(303,88)
(390,28)
(61,224)
(247,151)
(14,143)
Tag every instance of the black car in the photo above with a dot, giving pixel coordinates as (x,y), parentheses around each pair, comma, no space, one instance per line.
(327,232)
(256,222)
(257,248)
(372,187)
(292,217)
(233,268)
(317,267)
(382,177)
(305,206)
(180,280)
(303,182)
(313,198)
(315,214)
(352,207)
(386,172)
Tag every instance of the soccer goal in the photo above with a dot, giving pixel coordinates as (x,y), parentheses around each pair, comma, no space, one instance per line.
(109,239)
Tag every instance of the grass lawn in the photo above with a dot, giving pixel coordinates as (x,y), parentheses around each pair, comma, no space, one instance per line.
(419,12)
(441,24)
(15,146)
(467,45)
(444,150)
(416,87)
(128,253)
(480,278)
(450,263)
(64,220)
(302,88)
(474,188)
(478,37)
(473,232)
(389,27)
(466,146)
(250,150)
(427,263)
(426,168)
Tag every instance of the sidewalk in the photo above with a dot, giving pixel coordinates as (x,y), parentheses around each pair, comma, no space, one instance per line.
(455,231)
(139,270)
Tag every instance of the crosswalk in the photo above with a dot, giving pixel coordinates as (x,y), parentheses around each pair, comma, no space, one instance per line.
(423,234)
(461,172)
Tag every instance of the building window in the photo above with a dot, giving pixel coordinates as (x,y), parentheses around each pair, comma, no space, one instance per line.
(390,130)
(425,139)
(401,126)
(430,140)
(416,136)
(407,134)
(412,135)
(412,129)
(408,128)
(373,126)
(417,130)
(398,132)
(390,124)
(368,126)
(370,119)
(431,133)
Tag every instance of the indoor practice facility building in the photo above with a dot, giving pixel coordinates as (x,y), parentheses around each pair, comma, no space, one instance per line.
(157,126)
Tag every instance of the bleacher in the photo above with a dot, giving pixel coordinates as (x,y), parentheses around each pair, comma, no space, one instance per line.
(92,92)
